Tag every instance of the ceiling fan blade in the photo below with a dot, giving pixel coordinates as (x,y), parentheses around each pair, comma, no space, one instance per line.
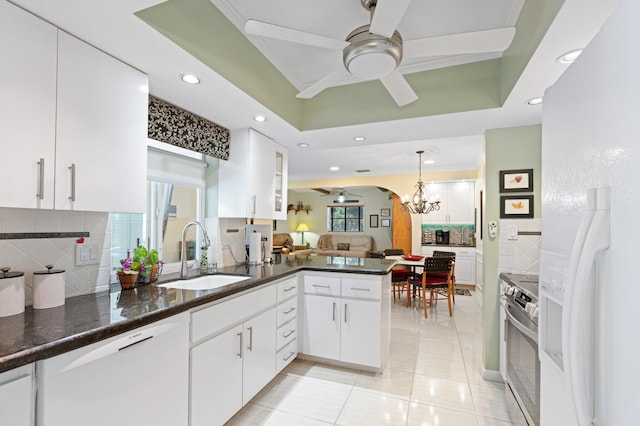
(387,16)
(495,40)
(398,88)
(322,84)
(265,29)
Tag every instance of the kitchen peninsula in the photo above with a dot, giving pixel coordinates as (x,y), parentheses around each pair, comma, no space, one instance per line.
(343,304)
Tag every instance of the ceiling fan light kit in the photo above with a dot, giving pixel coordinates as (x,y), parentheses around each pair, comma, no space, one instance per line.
(375,51)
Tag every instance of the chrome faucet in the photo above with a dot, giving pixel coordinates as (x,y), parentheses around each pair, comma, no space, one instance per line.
(184,271)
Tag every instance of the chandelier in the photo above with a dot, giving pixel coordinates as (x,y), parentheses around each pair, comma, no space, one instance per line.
(420,204)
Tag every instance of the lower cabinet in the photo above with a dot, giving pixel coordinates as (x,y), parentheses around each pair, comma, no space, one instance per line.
(347,319)
(16,396)
(465,261)
(232,354)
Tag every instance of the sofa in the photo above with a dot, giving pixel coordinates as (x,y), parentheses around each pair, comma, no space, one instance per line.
(344,245)
(285,241)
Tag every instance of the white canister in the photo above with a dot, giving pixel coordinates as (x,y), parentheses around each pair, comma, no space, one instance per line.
(48,288)
(11,292)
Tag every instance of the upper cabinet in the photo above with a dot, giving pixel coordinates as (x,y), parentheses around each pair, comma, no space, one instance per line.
(456,202)
(253,182)
(27,108)
(75,118)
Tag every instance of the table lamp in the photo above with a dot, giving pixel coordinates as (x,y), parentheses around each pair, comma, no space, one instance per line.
(302,228)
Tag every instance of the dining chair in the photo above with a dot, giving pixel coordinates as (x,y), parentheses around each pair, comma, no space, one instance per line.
(452,255)
(399,274)
(436,276)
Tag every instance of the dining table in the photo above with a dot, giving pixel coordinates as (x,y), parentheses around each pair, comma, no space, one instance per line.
(405,260)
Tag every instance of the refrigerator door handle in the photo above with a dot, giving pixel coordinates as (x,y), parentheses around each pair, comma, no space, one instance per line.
(577,306)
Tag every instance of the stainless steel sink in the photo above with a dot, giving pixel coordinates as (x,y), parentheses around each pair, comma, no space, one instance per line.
(207,282)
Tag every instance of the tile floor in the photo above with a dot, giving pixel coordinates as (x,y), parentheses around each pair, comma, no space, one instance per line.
(432,377)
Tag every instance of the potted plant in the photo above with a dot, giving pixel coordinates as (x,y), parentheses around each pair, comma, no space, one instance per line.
(141,268)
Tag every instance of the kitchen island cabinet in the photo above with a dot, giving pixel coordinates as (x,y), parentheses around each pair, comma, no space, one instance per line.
(346,318)
(75,118)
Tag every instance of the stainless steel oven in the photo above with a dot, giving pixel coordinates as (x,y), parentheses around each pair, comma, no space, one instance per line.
(522,367)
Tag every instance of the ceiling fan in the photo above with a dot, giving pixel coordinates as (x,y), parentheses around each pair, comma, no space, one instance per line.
(339,193)
(375,51)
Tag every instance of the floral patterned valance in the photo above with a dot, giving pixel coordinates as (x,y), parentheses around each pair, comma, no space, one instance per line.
(173,125)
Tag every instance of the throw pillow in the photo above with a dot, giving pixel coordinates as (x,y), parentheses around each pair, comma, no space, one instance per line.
(343,246)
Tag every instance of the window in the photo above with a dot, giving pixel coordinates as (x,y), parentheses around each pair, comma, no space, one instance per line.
(345,218)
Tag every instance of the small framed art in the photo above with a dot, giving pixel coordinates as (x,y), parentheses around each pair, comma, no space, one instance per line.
(516,180)
(516,206)
(385,223)
(373,221)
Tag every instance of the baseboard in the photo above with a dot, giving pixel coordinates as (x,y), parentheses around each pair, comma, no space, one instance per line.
(492,375)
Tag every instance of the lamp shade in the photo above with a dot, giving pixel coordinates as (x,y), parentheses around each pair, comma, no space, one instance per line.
(302,228)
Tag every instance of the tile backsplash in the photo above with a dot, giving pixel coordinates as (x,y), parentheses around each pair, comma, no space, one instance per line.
(30,255)
(519,254)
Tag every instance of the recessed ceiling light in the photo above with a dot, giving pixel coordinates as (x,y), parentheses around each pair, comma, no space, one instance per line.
(303,145)
(534,101)
(359,138)
(334,168)
(260,118)
(190,78)
(569,57)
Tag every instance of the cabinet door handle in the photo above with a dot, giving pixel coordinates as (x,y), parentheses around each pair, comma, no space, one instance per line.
(72,167)
(250,347)
(253,204)
(239,354)
(40,193)
(288,311)
(288,333)
(334,311)
(345,313)
(360,289)
(288,357)
(293,287)
(320,285)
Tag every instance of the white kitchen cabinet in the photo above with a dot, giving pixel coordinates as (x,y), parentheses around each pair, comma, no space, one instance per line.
(457,202)
(16,396)
(232,355)
(76,120)
(286,322)
(101,131)
(27,108)
(346,319)
(253,182)
(465,261)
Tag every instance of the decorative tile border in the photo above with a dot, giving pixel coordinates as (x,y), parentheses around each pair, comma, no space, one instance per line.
(32,235)
(173,125)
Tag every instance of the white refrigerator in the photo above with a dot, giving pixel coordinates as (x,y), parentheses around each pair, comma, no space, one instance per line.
(589,330)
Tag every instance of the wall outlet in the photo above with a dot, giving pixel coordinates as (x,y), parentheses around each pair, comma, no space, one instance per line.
(87,254)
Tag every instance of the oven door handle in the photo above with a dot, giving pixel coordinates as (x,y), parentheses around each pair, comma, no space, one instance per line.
(521,327)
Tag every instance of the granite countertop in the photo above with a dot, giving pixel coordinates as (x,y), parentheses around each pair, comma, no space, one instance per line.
(43,333)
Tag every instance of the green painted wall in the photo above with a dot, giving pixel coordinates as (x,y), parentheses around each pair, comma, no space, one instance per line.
(505,149)
(535,19)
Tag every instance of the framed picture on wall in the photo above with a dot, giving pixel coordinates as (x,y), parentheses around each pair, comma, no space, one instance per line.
(385,212)
(385,223)
(516,180)
(516,206)
(373,221)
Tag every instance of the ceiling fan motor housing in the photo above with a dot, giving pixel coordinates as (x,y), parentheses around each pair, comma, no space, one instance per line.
(371,56)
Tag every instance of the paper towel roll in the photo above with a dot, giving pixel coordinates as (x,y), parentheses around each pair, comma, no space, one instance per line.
(255,252)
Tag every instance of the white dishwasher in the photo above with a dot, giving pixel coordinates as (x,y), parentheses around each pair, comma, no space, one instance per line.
(138,378)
